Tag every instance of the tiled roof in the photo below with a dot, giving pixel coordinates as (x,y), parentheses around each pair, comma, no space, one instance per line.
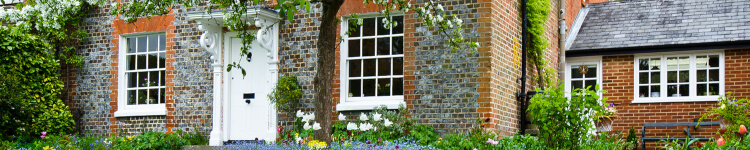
(644,23)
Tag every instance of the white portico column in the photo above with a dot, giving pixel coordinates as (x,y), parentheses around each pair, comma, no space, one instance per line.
(210,41)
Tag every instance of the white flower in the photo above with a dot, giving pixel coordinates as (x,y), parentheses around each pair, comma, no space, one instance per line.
(449,24)
(299,113)
(351,126)
(316,126)
(365,126)
(359,21)
(459,22)
(377,117)
(363,117)
(387,122)
(439,18)
(342,117)
(440,7)
(298,139)
(308,117)
(306,126)
(375,129)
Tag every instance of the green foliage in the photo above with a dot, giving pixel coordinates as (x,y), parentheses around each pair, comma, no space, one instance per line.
(537,13)
(732,110)
(30,85)
(147,140)
(424,134)
(286,94)
(564,122)
(477,137)
(605,141)
(742,142)
(632,139)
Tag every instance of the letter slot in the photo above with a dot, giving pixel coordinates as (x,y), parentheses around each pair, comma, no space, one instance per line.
(248,97)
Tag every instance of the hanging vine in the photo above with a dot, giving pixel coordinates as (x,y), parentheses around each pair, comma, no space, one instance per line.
(538,11)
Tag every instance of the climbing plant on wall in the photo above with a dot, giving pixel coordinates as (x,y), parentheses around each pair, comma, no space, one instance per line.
(538,11)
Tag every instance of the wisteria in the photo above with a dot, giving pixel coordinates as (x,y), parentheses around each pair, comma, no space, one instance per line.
(45,14)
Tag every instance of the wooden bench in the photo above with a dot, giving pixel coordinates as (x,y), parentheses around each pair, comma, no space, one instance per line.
(673,124)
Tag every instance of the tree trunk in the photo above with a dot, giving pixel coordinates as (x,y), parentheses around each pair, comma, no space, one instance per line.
(326,62)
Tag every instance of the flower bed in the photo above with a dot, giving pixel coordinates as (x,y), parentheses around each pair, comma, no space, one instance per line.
(147,140)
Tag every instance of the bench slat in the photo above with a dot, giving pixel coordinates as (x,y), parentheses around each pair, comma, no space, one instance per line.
(674,124)
(669,139)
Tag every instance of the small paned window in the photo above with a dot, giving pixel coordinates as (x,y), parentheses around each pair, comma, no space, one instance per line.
(145,69)
(696,77)
(375,59)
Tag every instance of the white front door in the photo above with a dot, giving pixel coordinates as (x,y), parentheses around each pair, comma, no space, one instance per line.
(250,113)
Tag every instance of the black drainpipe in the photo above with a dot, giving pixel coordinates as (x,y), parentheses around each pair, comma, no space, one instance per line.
(522,95)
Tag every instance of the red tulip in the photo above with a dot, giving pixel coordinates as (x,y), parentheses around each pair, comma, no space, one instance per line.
(743,129)
(698,144)
(720,142)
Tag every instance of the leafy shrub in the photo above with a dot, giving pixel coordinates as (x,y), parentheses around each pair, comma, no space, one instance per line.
(478,137)
(147,140)
(423,134)
(605,141)
(732,110)
(563,121)
(632,139)
(742,142)
(30,84)
(286,94)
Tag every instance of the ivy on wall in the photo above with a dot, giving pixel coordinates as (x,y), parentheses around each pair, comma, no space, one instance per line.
(537,13)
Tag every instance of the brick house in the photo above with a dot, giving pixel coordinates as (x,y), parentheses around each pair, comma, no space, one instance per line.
(167,73)
(661,61)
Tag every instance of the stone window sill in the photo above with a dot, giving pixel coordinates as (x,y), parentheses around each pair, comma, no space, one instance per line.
(141,112)
(368,105)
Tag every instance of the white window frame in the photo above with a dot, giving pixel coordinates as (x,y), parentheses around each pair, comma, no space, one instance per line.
(124,110)
(582,61)
(347,103)
(663,96)
(10,2)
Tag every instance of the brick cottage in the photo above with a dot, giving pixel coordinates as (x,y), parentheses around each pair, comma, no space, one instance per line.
(662,61)
(167,73)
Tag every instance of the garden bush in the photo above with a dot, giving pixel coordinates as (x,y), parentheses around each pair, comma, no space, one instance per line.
(565,122)
(732,110)
(29,86)
(286,94)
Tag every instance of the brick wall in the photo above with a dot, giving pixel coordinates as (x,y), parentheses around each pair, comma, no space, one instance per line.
(444,89)
(571,11)
(92,87)
(618,81)
(298,56)
(505,47)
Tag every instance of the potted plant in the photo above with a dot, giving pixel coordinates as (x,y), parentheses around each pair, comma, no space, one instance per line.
(605,119)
